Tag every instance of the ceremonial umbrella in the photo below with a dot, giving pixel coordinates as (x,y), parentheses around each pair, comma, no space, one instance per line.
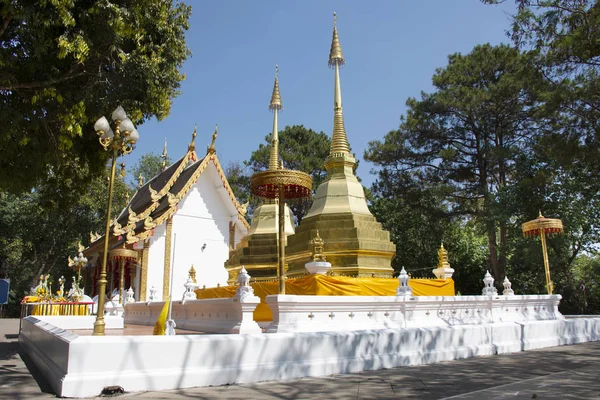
(544,226)
(281,184)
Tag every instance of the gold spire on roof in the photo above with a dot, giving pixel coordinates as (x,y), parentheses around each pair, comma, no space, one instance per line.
(335,53)
(140,181)
(164,156)
(339,140)
(276,97)
(192,145)
(211,149)
(275,106)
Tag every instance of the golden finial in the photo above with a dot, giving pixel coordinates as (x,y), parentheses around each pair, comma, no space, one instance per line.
(318,246)
(122,172)
(276,97)
(192,274)
(540,216)
(164,156)
(443,257)
(275,106)
(80,247)
(335,53)
(140,181)
(192,145)
(127,199)
(211,149)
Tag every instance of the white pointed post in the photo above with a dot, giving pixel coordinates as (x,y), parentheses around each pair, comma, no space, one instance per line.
(403,289)
(507,287)
(489,289)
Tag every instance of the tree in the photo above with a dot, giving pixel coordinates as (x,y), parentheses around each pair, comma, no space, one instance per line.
(300,149)
(37,235)
(462,141)
(148,166)
(63,64)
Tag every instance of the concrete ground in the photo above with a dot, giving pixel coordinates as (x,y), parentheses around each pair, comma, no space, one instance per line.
(566,372)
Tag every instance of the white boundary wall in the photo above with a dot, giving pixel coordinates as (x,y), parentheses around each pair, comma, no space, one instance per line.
(338,313)
(225,315)
(78,366)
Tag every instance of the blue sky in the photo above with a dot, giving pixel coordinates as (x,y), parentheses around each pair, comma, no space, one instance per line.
(392,49)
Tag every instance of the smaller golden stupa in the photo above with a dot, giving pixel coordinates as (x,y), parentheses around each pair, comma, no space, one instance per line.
(257,251)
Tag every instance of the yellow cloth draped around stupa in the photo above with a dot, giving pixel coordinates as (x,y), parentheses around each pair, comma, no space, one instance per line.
(322,285)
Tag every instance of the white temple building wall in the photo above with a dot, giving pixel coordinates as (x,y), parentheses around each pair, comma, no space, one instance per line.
(200,237)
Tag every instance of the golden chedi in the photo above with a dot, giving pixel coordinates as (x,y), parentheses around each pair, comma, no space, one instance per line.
(257,251)
(355,243)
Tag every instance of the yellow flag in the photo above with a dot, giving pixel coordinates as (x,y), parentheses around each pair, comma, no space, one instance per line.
(161,324)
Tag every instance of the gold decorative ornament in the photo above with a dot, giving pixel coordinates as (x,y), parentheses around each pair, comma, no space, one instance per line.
(192,274)
(192,145)
(140,181)
(443,257)
(211,149)
(543,226)
(153,194)
(318,248)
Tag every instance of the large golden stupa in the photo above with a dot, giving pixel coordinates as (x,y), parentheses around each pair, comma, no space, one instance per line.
(355,243)
(257,251)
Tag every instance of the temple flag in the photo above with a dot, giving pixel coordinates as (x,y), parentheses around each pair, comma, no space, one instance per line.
(161,323)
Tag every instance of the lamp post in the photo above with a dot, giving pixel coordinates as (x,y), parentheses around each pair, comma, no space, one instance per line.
(119,142)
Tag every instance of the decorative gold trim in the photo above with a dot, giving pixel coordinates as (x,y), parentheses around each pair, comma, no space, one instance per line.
(265,184)
(132,217)
(149,223)
(123,253)
(144,271)
(167,265)
(153,194)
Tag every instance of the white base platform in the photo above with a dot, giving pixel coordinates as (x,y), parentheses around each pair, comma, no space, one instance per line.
(78,366)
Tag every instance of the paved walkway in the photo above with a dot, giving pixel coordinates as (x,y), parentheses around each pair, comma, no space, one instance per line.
(567,372)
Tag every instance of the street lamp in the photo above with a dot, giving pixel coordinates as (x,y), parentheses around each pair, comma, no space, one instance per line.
(120,142)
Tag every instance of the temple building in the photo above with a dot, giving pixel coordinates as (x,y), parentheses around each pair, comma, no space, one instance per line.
(258,250)
(186,215)
(355,243)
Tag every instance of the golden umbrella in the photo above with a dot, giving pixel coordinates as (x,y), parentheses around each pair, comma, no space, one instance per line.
(281,184)
(543,226)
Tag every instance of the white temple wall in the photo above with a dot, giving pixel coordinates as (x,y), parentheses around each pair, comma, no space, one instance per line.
(200,237)
(156,261)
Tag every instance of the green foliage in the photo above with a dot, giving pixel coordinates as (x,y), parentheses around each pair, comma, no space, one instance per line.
(37,235)
(300,149)
(63,64)
(148,166)
(239,180)
(461,142)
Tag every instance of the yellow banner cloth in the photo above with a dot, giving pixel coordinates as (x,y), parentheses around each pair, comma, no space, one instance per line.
(60,309)
(322,285)
(161,323)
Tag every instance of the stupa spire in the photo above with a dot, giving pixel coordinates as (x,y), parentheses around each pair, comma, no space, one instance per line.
(339,140)
(275,106)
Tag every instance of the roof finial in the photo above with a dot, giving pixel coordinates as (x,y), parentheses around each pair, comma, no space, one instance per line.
(275,106)
(211,149)
(192,145)
(140,181)
(164,156)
